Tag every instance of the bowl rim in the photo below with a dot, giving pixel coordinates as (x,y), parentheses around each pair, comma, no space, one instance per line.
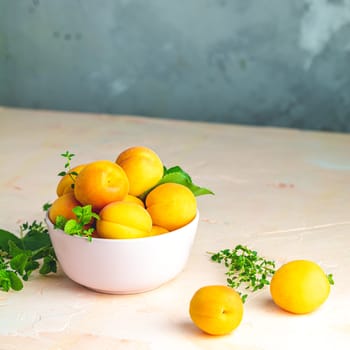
(138,239)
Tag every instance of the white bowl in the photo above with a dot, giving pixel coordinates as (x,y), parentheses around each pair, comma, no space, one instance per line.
(123,266)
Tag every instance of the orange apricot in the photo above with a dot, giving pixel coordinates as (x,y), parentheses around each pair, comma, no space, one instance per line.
(66,183)
(63,205)
(171,205)
(100,183)
(123,220)
(143,168)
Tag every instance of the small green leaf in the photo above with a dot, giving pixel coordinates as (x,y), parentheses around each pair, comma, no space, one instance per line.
(5,281)
(86,215)
(49,265)
(330,279)
(19,262)
(83,214)
(88,233)
(47,206)
(78,211)
(95,216)
(199,191)
(179,178)
(31,266)
(14,250)
(72,227)
(244,297)
(15,281)
(60,222)
(177,170)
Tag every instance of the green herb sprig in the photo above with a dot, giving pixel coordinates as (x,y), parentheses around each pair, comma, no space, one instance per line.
(67,167)
(245,269)
(21,256)
(78,226)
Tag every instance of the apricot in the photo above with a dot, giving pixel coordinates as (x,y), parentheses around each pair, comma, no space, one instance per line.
(157,230)
(143,168)
(63,205)
(299,286)
(66,183)
(123,219)
(171,205)
(133,199)
(100,183)
(216,309)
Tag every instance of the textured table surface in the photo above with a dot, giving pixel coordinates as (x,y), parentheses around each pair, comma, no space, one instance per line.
(284,193)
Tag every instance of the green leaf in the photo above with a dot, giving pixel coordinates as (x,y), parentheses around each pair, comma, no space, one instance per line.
(330,279)
(199,191)
(19,262)
(83,214)
(60,222)
(176,170)
(78,211)
(5,237)
(47,206)
(31,266)
(39,253)
(179,178)
(177,175)
(15,282)
(72,227)
(5,281)
(244,298)
(14,250)
(49,265)
(35,240)
(87,215)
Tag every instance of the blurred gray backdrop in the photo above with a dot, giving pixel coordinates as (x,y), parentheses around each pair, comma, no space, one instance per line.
(261,62)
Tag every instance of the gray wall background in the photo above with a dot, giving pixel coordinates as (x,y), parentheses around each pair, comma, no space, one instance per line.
(261,62)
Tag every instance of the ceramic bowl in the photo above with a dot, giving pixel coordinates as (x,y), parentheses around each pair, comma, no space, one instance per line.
(123,266)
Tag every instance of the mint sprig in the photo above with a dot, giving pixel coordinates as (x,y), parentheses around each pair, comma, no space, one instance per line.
(21,256)
(79,226)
